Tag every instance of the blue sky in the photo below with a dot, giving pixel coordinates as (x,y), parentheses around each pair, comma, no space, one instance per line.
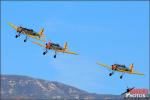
(109,32)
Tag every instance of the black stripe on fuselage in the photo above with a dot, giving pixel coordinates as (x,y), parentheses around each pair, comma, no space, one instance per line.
(56,46)
(122,68)
(30,32)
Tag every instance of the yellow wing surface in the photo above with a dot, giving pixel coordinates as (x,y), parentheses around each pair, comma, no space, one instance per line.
(131,70)
(12,25)
(104,65)
(137,73)
(15,27)
(38,44)
(68,52)
(35,37)
(41,32)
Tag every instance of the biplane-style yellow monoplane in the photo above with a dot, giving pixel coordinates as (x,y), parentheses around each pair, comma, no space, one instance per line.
(55,47)
(120,68)
(28,32)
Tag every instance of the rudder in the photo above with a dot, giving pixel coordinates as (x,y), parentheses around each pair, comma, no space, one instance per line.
(65,46)
(131,68)
(41,33)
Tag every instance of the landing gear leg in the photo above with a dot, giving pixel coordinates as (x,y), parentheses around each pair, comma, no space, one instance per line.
(110,74)
(45,52)
(55,54)
(25,40)
(17,35)
(121,76)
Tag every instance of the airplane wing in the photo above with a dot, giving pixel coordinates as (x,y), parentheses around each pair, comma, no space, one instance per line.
(130,72)
(137,73)
(13,26)
(36,38)
(104,65)
(68,52)
(38,44)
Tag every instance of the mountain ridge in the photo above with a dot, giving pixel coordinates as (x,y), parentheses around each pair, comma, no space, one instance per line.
(24,87)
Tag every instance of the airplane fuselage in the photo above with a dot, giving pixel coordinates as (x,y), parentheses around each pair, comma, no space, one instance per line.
(119,67)
(54,46)
(27,31)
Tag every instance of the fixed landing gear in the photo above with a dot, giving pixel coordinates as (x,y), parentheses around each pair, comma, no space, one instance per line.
(16,36)
(110,74)
(25,40)
(121,76)
(55,54)
(44,52)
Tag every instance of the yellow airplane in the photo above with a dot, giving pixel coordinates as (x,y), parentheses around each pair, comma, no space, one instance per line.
(28,32)
(55,47)
(120,68)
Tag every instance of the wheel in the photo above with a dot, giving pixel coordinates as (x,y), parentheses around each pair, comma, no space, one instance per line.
(25,40)
(16,36)
(110,74)
(54,56)
(44,53)
(121,77)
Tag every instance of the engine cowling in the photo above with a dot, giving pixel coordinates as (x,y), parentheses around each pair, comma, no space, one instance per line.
(114,67)
(48,45)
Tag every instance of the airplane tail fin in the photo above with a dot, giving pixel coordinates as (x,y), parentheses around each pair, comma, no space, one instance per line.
(41,33)
(131,68)
(65,46)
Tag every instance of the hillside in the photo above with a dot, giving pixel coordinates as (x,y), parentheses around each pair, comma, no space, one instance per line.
(24,87)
